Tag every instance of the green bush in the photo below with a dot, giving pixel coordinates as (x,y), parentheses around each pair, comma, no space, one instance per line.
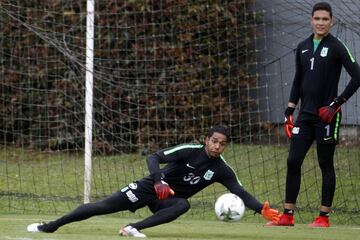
(163,72)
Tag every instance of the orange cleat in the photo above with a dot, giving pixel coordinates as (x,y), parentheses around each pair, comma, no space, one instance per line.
(320,221)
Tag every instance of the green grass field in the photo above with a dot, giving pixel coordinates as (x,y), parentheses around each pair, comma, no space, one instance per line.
(13,227)
(42,186)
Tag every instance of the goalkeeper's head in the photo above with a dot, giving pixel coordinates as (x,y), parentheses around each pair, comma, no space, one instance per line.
(216,141)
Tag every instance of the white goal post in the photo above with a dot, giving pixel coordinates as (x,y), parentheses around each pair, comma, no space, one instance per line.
(89,98)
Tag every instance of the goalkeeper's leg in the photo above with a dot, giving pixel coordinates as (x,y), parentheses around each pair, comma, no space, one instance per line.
(164,211)
(298,148)
(114,203)
(326,161)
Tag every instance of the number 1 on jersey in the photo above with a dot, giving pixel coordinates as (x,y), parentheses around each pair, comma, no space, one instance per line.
(327,127)
(312,63)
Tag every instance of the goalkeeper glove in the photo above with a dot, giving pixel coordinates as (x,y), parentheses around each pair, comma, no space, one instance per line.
(270,213)
(163,190)
(328,112)
(289,121)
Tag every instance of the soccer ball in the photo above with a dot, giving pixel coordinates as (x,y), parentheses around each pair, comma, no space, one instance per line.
(229,208)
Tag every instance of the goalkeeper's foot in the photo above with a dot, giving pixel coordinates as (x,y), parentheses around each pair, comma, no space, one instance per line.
(285,220)
(34,227)
(130,231)
(40,227)
(320,221)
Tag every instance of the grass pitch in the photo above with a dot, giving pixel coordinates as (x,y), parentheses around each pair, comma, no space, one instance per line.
(13,227)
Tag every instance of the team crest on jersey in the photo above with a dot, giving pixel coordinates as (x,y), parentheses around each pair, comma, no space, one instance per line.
(324,51)
(208,175)
(133,186)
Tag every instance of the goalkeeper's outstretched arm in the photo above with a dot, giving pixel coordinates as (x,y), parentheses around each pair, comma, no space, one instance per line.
(250,201)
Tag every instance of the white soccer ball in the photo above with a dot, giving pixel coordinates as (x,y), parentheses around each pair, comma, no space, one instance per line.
(229,208)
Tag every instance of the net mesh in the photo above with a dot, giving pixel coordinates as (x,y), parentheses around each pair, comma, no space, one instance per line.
(164,71)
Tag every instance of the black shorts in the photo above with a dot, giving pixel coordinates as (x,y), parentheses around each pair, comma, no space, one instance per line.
(139,194)
(136,195)
(309,127)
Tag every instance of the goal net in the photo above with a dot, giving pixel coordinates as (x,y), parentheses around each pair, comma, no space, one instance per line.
(164,72)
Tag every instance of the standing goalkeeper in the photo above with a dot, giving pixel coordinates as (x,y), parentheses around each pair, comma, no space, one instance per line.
(319,60)
(189,169)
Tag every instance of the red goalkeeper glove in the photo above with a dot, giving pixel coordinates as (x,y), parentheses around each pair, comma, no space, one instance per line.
(327,113)
(270,213)
(163,190)
(289,121)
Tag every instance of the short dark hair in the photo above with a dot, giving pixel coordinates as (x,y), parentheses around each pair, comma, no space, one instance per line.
(322,6)
(219,129)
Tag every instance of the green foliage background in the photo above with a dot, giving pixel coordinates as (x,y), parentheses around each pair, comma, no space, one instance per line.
(163,72)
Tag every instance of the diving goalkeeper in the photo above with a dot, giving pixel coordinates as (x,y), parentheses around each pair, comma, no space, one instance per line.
(189,169)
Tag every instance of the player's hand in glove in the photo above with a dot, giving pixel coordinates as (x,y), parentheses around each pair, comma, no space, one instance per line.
(289,121)
(270,213)
(163,190)
(328,112)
